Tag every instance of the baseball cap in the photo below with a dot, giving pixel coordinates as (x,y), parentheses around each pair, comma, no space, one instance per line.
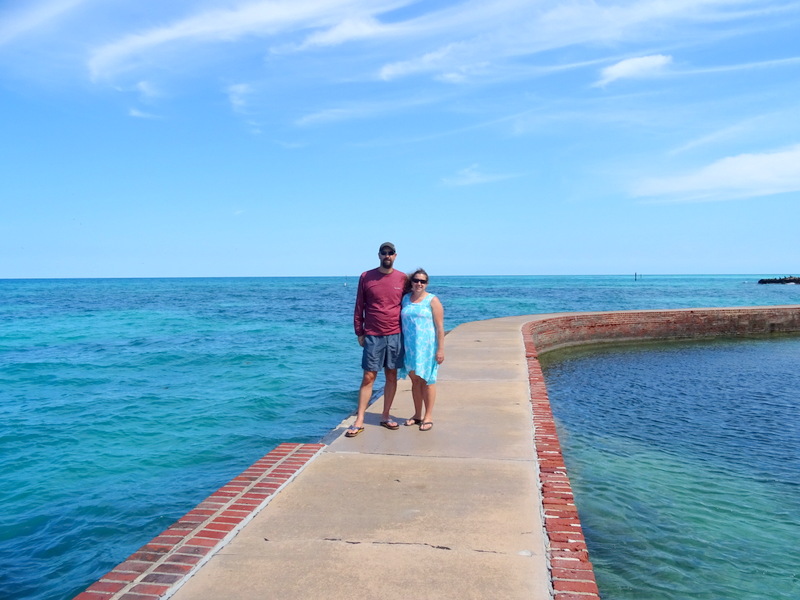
(389,245)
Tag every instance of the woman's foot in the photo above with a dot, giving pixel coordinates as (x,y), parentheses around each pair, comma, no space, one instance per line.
(426,426)
(413,421)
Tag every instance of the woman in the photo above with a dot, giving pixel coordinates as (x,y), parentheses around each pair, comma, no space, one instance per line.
(422,316)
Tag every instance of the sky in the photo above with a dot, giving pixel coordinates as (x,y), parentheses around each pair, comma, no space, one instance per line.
(196,138)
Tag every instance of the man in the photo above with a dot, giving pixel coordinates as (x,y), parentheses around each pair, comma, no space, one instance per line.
(377,324)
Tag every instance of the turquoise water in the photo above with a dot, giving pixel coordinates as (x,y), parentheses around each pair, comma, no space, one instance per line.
(685,461)
(123,403)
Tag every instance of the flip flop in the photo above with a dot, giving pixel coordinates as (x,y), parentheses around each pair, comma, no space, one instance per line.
(426,428)
(353,431)
(390,425)
(412,421)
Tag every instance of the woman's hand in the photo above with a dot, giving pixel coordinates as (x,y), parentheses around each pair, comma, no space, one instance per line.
(440,356)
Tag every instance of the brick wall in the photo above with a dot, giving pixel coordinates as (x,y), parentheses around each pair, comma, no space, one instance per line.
(551,333)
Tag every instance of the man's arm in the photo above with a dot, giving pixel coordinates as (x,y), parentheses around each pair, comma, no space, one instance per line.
(358,313)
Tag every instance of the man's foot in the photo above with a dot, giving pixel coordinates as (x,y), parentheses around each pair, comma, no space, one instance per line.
(390,424)
(413,421)
(426,426)
(353,431)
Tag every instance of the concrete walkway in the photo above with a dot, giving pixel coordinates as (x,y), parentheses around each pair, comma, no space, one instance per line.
(454,512)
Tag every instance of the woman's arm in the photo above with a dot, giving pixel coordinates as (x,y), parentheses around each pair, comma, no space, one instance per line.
(438,322)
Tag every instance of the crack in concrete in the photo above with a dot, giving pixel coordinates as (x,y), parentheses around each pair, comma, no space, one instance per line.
(425,544)
(377,543)
(415,544)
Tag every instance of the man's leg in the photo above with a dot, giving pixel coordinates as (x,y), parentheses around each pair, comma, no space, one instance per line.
(364,394)
(393,361)
(389,390)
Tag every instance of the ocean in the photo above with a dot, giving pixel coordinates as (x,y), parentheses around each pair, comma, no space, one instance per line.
(125,402)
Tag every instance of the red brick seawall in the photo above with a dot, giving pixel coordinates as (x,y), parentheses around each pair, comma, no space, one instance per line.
(574,329)
(571,570)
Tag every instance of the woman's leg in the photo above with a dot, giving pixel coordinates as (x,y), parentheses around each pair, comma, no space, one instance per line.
(418,395)
(430,400)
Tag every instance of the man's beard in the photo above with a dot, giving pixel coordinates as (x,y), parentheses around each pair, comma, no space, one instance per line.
(386,263)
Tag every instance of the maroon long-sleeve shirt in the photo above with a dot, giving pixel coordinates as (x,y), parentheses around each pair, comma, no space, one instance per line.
(378,302)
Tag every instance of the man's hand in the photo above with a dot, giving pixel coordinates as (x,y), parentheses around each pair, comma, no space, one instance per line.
(361,340)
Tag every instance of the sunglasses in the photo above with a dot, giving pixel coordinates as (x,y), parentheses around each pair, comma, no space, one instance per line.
(387,252)
(415,280)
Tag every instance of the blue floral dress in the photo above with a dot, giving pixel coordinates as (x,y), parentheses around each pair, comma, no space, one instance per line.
(419,338)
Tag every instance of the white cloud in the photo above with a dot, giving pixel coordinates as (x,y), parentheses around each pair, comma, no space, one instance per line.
(147,89)
(720,136)
(438,60)
(730,178)
(138,114)
(290,145)
(484,31)
(260,18)
(35,15)
(345,31)
(635,68)
(466,40)
(237,95)
(467,73)
(764,64)
(254,127)
(360,110)
(473,175)
(330,115)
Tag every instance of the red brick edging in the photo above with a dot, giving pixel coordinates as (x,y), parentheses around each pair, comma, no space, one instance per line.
(160,567)
(571,571)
